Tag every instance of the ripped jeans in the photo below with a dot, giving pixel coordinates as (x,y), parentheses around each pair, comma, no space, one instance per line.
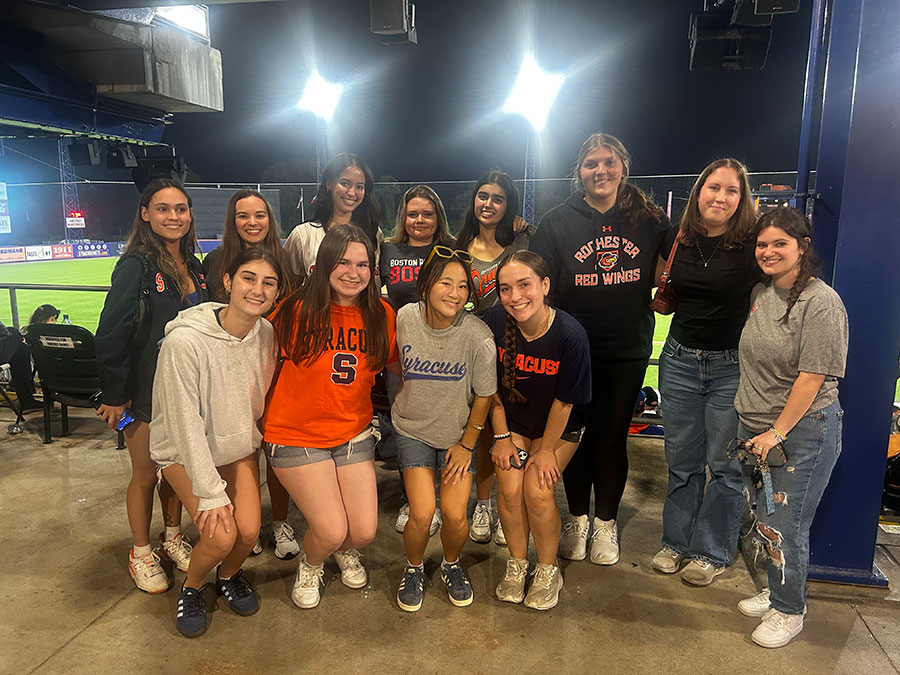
(812,448)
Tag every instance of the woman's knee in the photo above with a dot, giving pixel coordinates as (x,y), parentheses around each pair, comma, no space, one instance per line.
(421,518)
(539,501)
(332,534)
(221,544)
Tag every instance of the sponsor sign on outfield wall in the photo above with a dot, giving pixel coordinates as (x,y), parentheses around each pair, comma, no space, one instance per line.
(5,226)
(38,253)
(12,254)
(93,250)
(61,251)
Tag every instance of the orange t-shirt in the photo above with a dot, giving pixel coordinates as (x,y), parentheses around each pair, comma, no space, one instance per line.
(326,403)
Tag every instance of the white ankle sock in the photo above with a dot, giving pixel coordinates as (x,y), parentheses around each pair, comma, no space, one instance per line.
(420,566)
(172,532)
(485,502)
(139,551)
(276,525)
(444,561)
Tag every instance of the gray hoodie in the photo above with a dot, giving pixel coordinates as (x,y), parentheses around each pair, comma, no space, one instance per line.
(208,394)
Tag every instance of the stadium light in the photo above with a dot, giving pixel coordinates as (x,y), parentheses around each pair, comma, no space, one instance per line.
(320,96)
(533,93)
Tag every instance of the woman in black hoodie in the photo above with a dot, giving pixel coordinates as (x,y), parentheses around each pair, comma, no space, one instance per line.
(601,246)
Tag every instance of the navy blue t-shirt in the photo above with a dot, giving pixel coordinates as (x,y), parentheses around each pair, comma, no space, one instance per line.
(556,365)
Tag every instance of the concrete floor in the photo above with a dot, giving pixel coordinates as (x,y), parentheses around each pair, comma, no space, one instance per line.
(69,606)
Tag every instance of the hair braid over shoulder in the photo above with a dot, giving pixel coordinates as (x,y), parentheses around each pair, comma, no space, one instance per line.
(509,361)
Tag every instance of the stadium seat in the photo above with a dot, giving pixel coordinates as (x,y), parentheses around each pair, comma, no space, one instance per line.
(18,426)
(66,362)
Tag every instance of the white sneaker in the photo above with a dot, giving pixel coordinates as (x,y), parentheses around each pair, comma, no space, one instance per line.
(605,542)
(178,550)
(258,546)
(436,523)
(353,574)
(480,529)
(402,518)
(573,541)
(148,574)
(305,592)
(544,591)
(777,629)
(512,586)
(667,561)
(286,546)
(499,537)
(757,606)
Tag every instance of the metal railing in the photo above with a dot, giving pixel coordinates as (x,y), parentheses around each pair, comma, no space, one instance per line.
(14,303)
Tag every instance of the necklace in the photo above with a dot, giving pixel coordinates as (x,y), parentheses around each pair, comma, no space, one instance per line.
(540,333)
(703,258)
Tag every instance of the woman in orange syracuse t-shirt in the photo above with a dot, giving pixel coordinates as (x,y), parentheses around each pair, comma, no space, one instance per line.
(336,334)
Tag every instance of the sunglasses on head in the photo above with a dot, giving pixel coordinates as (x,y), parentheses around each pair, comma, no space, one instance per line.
(447,252)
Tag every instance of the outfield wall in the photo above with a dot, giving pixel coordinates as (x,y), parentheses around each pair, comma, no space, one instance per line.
(87,249)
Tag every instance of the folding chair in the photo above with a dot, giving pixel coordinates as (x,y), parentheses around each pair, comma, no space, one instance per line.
(66,362)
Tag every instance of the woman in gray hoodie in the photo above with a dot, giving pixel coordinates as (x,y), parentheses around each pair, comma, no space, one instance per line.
(215,366)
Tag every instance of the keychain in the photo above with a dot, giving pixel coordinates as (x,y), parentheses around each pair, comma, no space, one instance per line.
(766,477)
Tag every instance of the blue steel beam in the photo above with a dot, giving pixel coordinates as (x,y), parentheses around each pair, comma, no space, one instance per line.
(859,205)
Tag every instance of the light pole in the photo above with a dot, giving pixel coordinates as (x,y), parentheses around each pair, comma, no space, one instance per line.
(320,97)
(532,96)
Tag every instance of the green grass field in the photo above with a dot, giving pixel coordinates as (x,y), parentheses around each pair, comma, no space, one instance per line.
(83,307)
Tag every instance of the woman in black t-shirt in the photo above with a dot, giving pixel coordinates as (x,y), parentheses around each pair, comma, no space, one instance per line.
(712,275)
(601,247)
(538,418)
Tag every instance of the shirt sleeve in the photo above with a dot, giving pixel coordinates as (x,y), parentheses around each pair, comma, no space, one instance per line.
(176,400)
(393,350)
(823,337)
(542,243)
(116,330)
(293,250)
(484,368)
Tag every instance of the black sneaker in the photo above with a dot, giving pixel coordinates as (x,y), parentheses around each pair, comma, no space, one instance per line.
(412,587)
(191,617)
(240,595)
(459,590)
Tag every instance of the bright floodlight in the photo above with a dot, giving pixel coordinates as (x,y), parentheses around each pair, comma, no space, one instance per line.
(320,96)
(533,93)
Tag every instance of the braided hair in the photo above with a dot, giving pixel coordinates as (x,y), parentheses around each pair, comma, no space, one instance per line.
(797,226)
(537,265)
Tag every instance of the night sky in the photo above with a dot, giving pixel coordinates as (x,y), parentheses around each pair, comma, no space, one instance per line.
(431,111)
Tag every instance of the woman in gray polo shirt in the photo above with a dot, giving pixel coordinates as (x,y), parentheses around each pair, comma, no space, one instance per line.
(792,350)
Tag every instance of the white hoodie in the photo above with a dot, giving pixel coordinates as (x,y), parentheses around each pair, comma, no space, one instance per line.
(208,394)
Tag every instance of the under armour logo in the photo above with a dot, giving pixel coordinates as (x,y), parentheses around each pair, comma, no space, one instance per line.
(606,228)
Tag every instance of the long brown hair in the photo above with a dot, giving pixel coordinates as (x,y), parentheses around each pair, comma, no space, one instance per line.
(740,227)
(303,321)
(539,266)
(634,204)
(431,272)
(504,232)
(442,235)
(144,240)
(232,244)
(797,226)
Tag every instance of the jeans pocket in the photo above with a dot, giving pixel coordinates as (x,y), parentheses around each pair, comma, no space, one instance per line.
(670,347)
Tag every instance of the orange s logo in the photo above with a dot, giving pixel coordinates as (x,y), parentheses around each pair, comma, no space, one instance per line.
(160,283)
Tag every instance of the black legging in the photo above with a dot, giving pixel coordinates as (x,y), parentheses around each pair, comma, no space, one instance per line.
(601,460)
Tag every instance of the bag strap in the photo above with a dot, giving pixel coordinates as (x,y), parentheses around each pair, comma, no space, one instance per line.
(664,277)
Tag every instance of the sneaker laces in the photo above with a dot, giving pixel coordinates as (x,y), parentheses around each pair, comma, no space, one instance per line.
(606,531)
(572,526)
(516,569)
(413,574)
(235,587)
(146,563)
(543,575)
(775,620)
(191,602)
(482,515)
(349,559)
(309,576)
(283,534)
(455,577)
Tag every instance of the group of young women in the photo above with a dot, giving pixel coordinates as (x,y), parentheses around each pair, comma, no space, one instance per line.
(486,376)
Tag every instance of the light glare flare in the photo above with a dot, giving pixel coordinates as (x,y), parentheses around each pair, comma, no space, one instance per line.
(320,96)
(533,93)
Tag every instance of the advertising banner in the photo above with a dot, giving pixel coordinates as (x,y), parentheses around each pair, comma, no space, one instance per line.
(5,225)
(61,251)
(12,254)
(92,250)
(38,252)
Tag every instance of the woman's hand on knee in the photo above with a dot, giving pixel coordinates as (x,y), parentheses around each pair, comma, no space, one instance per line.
(544,462)
(458,460)
(208,521)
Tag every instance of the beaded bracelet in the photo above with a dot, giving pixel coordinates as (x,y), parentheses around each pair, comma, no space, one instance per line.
(780,436)
(498,437)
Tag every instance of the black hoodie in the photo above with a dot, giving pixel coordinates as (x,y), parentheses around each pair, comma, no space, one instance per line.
(601,272)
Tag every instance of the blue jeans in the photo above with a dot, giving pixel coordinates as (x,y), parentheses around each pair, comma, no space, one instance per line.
(812,448)
(697,389)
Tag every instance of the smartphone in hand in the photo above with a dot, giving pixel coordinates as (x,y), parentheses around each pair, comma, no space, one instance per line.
(522,458)
(126,418)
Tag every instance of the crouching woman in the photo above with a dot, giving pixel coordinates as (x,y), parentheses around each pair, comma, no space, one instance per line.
(215,366)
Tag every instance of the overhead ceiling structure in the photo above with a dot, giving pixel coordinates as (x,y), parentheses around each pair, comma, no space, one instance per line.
(76,68)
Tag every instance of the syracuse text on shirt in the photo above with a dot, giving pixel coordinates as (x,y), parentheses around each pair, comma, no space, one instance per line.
(354,340)
(415,368)
(605,251)
(532,364)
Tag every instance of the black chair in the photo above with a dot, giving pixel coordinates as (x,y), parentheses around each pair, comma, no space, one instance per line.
(66,362)
(18,426)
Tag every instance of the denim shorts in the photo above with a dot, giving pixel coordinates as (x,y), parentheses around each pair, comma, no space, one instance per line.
(412,454)
(360,448)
